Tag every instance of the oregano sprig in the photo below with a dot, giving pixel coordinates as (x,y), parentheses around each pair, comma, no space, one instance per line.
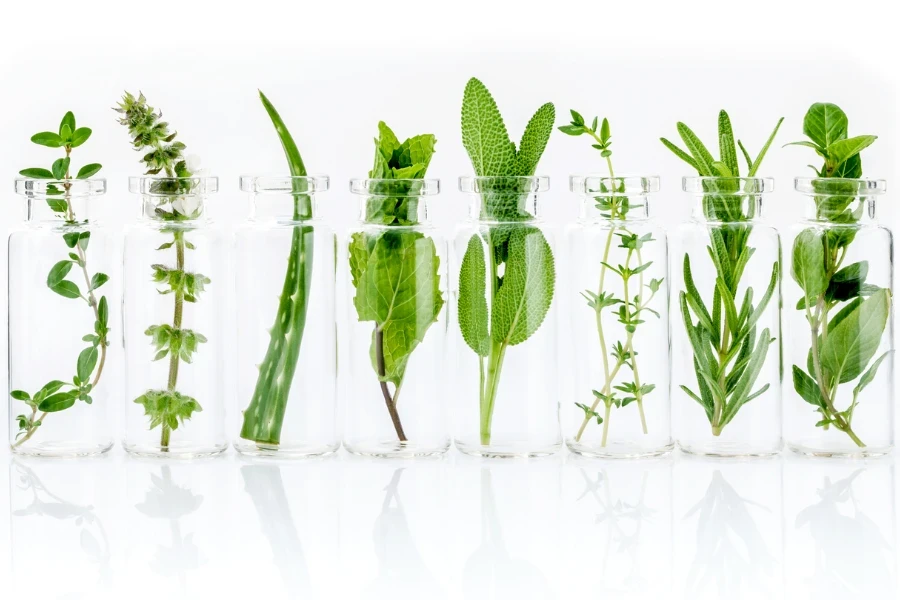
(168,408)
(614,205)
(58,395)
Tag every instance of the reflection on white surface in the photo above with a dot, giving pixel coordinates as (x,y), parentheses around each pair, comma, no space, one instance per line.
(165,499)
(841,530)
(457,528)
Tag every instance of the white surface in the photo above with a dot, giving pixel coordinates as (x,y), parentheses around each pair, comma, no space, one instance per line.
(456,528)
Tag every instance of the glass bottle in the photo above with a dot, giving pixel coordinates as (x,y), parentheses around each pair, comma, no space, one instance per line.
(175,325)
(286,339)
(394,379)
(506,361)
(64,294)
(726,337)
(841,395)
(617,321)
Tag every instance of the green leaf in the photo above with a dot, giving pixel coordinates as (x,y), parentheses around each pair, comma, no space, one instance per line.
(819,151)
(416,152)
(87,360)
(473,310)
(807,388)
(88,171)
(848,283)
(702,158)
(824,124)
(680,154)
(484,134)
(574,130)
(850,168)
(58,272)
(67,124)
(577,119)
(808,264)
(855,336)
(534,140)
(97,280)
(103,311)
(400,291)
(60,167)
(20,395)
(741,393)
(67,289)
(58,402)
(604,129)
(869,376)
(167,407)
(80,136)
(840,151)
(36,173)
(71,238)
(762,153)
(47,138)
(727,149)
(524,298)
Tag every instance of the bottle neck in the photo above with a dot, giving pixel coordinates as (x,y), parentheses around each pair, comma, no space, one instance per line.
(398,211)
(60,209)
(501,207)
(728,208)
(283,207)
(176,208)
(625,208)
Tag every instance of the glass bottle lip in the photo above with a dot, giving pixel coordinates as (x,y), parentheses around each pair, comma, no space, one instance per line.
(840,186)
(401,188)
(728,185)
(625,185)
(284,184)
(78,188)
(148,185)
(511,184)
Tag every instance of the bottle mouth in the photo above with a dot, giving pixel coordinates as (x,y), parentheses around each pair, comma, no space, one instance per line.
(839,186)
(507,185)
(400,188)
(55,188)
(172,186)
(284,184)
(728,185)
(626,185)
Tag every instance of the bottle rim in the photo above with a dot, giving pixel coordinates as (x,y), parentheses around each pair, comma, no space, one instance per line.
(149,185)
(508,184)
(30,187)
(284,184)
(728,185)
(400,188)
(599,184)
(840,186)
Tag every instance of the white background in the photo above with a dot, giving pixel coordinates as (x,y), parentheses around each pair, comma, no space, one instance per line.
(460,528)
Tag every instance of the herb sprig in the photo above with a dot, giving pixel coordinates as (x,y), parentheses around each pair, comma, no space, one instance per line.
(614,205)
(57,395)
(728,353)
(168,408)
(396,272)
(847,317)
(509,267)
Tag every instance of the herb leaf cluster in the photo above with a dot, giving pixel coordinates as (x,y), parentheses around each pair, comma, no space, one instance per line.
(614,205)
(847,315)
(264,416)
(167,408)
(395,269)
(728,352)
(57,395)
(507,274)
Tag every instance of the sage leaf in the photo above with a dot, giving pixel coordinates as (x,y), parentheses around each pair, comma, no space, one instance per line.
(854,336)
(524,298)
(484,134)
(473,310)
(534,140)
(808,264)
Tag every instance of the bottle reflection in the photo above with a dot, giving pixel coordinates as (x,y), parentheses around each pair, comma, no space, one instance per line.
(168,501)
(736,528)
(264,485)
(45,525)
(491,571)
(401,570)
(844,530)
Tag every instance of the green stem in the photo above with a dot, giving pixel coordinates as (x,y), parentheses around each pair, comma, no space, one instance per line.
(176,324)
(488,391)
(388,400)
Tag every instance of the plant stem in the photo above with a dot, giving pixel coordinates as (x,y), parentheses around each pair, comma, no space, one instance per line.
(489,386)
(174,357)
(639,396)
(391,405)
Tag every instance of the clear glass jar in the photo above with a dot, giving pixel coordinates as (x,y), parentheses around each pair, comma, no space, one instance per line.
(838,314)
(286,339)
(504,273)
(726,333)
(175,325)
(620,349)
(64,298)
(397,323)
